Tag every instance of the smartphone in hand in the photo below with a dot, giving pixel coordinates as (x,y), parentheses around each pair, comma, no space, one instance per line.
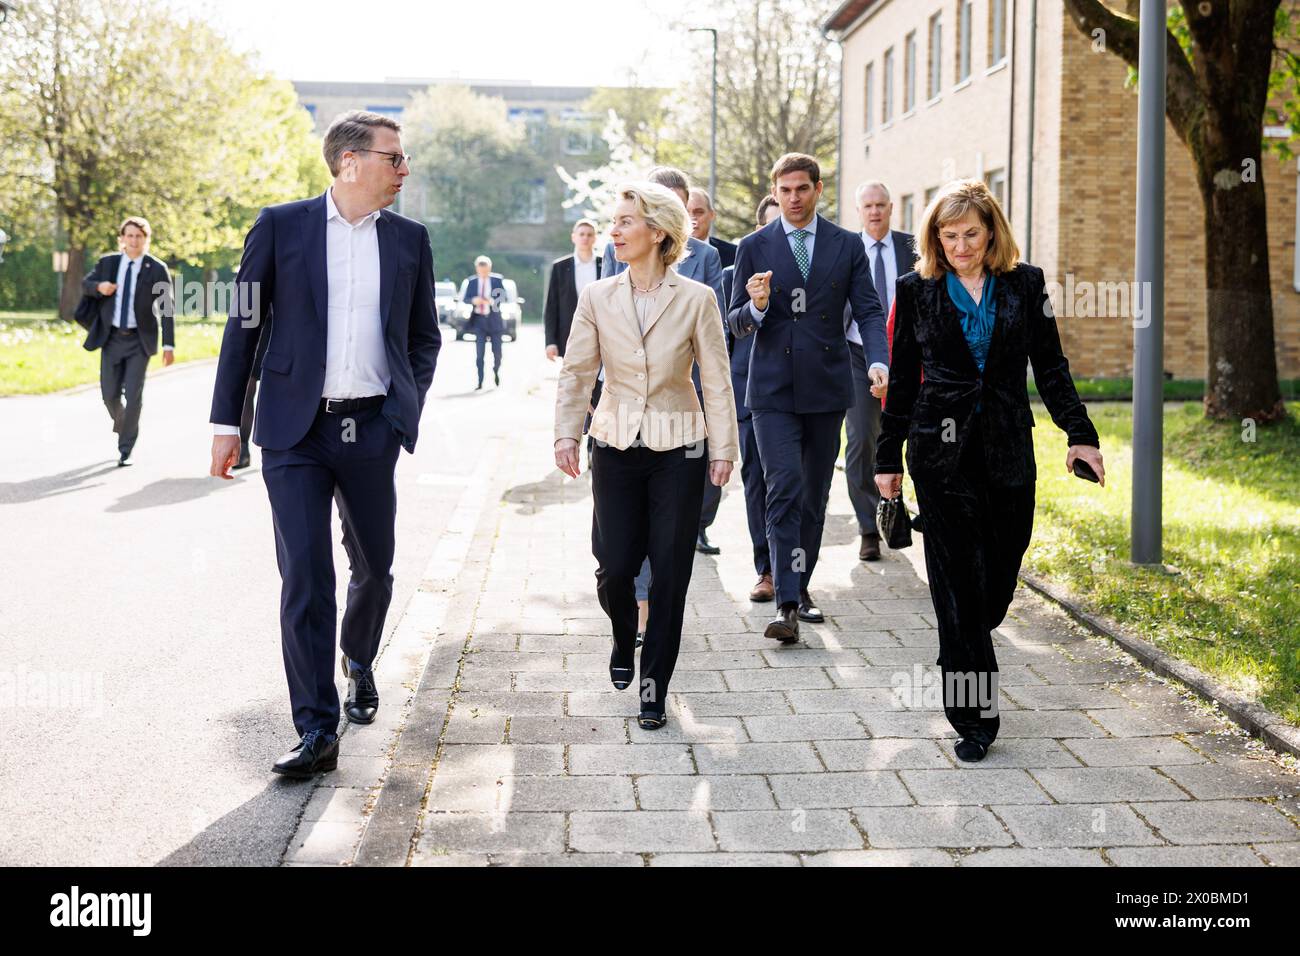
(1084,470)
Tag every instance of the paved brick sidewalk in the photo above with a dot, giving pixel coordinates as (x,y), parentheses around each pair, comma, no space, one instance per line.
(512,747)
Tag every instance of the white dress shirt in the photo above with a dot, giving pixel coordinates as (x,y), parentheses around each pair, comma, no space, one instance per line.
(356,363)
(891,273)
(808,240)
(584,273)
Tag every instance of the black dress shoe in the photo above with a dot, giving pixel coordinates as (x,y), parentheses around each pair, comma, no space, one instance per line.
(245,458)
(124,460)
(869,550)
(785,626)
(808,611)
(971,751)
(496,377)
(703,546)
(316,751)
(621,671)
(362,701)
(478,387)
(649,720)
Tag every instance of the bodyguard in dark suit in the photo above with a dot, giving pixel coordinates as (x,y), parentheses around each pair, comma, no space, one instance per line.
(485,291)
(792,281)
(569,276)
(966,324)
(130,295)
(347,289)
(890,254)
(751,468)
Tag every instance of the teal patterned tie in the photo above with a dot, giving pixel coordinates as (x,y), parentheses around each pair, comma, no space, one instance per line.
(801,252)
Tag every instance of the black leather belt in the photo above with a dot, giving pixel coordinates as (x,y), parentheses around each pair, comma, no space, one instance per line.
(121,331)
(341,406)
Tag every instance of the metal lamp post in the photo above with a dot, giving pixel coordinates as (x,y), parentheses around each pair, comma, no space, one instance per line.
(713,133)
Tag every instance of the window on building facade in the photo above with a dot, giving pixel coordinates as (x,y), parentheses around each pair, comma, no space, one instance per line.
(905,212)
(909,73)
(930,194)
(868,97)
(530,202)
(997,31)
(963,40)
(936,55)
(996,180)
(887,102)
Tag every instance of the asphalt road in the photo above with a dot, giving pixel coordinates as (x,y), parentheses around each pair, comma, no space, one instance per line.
(142,691)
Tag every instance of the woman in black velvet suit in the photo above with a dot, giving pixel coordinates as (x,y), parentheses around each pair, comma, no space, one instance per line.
(967,322)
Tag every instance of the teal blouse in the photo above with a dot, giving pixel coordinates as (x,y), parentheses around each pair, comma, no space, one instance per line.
(976,320)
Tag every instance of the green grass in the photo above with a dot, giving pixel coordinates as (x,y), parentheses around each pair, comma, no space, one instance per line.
(40,353)
(1175,389)
(1231,530)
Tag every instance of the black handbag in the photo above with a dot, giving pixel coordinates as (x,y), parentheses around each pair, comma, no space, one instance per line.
(892,520)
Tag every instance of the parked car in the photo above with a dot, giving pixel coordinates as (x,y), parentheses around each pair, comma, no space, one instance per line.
(511,311)
(444,296)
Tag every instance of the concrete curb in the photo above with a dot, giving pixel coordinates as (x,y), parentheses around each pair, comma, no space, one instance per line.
(1259,721)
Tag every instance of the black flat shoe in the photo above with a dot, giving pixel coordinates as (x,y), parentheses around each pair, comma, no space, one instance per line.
(362,702)
(808,611)
(621,677)
(971,751)
(649,720)
(316,752)
(785,626)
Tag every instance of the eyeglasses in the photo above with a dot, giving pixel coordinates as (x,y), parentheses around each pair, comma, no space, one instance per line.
(395,158)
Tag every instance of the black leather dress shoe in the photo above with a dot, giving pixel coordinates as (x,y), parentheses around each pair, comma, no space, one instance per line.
(785,626)
(496,378)
(649,720)
(869,550)
(362,702)
(808,611)
(971,751)
(316,751)
(703,545)
(245,458)
(124,460)
(621,671)
(478,387)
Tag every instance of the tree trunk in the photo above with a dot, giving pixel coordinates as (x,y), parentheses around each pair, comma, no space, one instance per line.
(70,295)
(1241,365)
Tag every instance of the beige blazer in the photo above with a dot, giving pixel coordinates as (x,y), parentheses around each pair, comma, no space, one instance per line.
(648,384)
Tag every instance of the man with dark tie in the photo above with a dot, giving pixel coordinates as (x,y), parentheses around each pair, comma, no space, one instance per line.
(485,291)
(700,209)
(346,287)
(890,254)
(134,293)
(569,276)
(792,281)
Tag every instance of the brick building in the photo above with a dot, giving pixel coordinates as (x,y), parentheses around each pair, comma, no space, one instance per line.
(1014,93)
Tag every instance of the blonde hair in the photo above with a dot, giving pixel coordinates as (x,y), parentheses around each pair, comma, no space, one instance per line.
(952,203)
(662,209)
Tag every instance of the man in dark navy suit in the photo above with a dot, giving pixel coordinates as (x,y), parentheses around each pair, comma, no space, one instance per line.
(751,468)
(347,289)
(484,292)
(791,283)
(130,297)
(890,254)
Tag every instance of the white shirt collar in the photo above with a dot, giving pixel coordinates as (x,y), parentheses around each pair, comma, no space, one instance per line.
(332,211)
(871,243)
(811,227)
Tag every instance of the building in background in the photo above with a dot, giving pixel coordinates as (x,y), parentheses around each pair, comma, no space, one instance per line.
(934,90)
(558,128)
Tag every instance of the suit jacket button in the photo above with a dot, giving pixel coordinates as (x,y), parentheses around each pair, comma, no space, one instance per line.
(823,316)
(787,351)
(778,289)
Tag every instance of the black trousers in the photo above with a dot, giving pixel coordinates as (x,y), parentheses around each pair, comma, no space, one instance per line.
(646,503)
(975,537)
(349,460)
(751,476)
(122,364)
(861,429)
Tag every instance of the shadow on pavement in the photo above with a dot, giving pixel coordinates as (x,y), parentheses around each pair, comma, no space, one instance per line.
(22,492)
(170,491)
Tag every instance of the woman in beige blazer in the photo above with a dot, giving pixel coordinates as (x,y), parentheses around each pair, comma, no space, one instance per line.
(647,326)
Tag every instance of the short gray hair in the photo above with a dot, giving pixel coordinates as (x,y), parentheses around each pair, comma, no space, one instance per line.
(670,177)
(354,130)
(871,184)
(696,192)
(483,261)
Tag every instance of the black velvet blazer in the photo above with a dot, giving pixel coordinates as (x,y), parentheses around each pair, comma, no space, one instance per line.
(936,415)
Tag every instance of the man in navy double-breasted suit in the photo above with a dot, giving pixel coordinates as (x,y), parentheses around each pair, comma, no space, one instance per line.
(792,281)
(347,290)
